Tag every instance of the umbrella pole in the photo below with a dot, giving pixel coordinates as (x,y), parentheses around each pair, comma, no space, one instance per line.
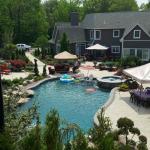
(88,73)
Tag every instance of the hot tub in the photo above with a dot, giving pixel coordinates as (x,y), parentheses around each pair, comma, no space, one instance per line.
(109,82)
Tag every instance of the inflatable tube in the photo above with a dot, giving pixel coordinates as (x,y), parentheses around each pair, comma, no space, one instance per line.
(66,80)
(91,90)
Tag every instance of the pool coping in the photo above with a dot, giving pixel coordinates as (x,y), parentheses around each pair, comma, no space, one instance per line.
(38,83)
(106,105)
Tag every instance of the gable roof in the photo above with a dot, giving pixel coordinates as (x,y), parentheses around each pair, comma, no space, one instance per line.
(74,33)
(115,20)
(128,29)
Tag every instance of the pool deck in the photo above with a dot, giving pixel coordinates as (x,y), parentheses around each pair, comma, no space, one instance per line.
(119,106)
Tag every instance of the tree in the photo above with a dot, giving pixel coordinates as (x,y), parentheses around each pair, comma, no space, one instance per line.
(123,5)
(41,41)
(52,132)
(80,142)
(96,6)
(36,71)
(101,130)
(64,43)
(125,125)
(44,71)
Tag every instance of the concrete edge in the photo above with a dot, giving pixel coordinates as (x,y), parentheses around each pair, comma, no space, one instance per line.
(38,83)
(107,104)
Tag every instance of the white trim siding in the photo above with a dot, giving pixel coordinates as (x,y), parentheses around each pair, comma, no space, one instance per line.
(97,38)
(116,36)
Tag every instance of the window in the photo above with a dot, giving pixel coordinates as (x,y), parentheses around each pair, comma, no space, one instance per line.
(97,34)
(115,49)
(91,34)
(116,33)
(137,34)
(145,55)
(132,52)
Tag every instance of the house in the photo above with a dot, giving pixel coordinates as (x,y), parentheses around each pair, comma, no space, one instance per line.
(125,33)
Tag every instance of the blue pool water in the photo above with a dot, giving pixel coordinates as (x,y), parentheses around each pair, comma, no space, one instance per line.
(72,101)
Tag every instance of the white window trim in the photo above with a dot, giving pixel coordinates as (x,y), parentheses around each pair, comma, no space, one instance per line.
(91,38)
(95,34)
(114,34)
(139,34)
(136,52)
(115,47)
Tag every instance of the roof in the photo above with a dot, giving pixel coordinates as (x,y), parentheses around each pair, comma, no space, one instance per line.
(115,20)
(131,27)
(74,33)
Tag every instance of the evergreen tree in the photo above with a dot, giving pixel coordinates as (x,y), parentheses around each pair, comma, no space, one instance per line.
(36,71)
(64,43)
(44,71)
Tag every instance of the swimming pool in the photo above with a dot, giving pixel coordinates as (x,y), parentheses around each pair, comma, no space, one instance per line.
(72,100)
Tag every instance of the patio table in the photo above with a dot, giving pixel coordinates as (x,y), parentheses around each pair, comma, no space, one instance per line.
(141,94)
(141,98)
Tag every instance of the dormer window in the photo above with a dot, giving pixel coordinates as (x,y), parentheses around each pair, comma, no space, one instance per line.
(116,33)
(137,34)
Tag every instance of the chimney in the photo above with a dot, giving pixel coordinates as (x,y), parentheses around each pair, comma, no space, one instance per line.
(74,18)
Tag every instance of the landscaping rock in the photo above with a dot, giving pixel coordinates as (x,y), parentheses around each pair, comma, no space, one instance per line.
(30,93)
(25,82)
(31,81)
(20,86)
(22,101)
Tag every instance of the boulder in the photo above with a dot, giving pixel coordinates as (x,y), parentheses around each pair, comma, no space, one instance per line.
(30,93)
(25,82)
(22,101)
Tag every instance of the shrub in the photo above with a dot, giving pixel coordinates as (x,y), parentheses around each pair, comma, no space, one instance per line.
(123,87)
(17,65)
(6,82)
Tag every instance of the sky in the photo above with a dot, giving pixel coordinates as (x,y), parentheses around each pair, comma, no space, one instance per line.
(141,1)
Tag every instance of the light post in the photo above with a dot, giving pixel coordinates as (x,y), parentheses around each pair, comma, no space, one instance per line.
(1,106)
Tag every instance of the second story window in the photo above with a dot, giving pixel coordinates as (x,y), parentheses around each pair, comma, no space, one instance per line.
(91,34)
(97,34)
(137,34)
(116,33)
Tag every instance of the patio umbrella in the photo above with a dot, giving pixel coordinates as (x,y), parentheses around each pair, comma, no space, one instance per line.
(140,73)
(88,68)
(65,56)
(97,47)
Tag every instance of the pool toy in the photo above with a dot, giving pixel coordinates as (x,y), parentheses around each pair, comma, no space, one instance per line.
(91,90)
(66,78)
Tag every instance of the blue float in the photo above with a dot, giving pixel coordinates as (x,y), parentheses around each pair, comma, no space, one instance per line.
(66,78)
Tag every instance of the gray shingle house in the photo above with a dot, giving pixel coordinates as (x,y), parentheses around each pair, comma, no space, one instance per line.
(125,33)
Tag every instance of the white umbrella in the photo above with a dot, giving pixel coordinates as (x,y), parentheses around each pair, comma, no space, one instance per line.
(97,47)
(141,73)
(65,56)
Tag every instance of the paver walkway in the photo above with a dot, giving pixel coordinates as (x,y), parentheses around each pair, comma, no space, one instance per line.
(39,63)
